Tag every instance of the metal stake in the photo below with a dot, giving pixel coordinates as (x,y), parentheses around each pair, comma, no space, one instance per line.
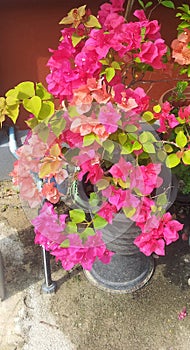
(49,286)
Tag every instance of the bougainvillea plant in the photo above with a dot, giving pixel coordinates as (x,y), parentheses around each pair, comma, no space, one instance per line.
(102,136)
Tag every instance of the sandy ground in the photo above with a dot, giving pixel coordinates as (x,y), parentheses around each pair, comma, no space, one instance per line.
(79,316)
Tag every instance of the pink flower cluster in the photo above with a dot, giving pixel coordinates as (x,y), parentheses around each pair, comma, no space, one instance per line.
(156,233)
(49,229)
(181,50)
(76,69)
(167,120)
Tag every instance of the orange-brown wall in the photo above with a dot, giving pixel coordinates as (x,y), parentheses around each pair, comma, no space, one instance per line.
(29,28)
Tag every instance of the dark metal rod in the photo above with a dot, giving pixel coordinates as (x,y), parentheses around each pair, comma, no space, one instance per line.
(49,286)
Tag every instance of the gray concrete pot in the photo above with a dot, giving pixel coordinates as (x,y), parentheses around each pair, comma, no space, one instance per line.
(129,269)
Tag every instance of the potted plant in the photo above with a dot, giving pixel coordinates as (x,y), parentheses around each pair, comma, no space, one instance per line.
(93,162)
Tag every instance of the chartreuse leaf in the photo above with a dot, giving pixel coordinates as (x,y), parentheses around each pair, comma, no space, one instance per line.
(110,73)
(127,148)
(172,160)
(92,22)
(33,105)
(157,109)
(129,211)
(136,146)
(76,39)
(148,116)
(43,131)
(42,92)
(168,148)
(181,139)
(65,243)
(13,112)
(25,90)
(45,170)
(77,215)
(168,4)
(47,110)
(94,199)
(162,199)
(71,227)
(131,128)
(32,122)
(99,222)
(87,232)
(11,101)
(102,184)
(148,147)
(57,123)
(122,138)
(116,65)
(186,157)
(88,139)
(146,136)
(109,146)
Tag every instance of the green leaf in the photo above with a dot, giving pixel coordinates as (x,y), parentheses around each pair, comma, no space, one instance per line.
(172,160)
(71,227)
(42,92)
(32,122)
(43,131)
(127,148)
(99,222)
(157,109)
(25,90)
(186,157)
(129,211)
(149,147)
(148,116)
(168,4)
(65,243)
(131,128)
(88,139)
(116,65)
(161,155)
(47,110)
(141,3)
(168,148)
(162,199)
(136,146)
(11,101)
(109,146)
(122,138)
(102,184)
(87,232)
(149,3)
(181,139)
(110,73)
(72,110)
(76,39)
(146,136)
(94,199)
(13,112)
(57,123)
(77,215)
(33,105)
(92,22)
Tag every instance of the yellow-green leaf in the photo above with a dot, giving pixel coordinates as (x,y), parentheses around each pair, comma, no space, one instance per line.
(33,105)
(186,157)
(172,160)
(129,211)
(92,22)
(25,90)
(181,139)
